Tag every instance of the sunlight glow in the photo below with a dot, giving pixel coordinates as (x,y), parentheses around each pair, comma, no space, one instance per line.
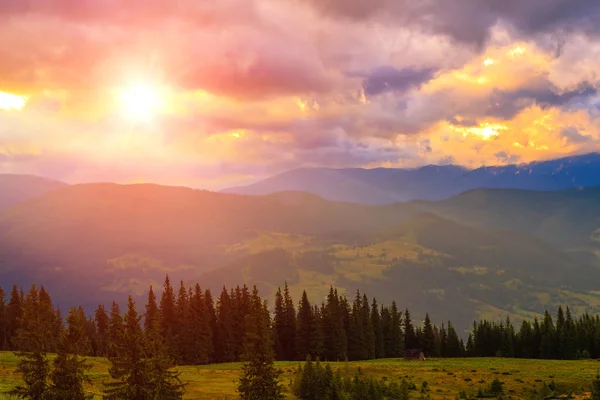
(485,131)
(517,51)
(12,102)
(141,102)
(488,61)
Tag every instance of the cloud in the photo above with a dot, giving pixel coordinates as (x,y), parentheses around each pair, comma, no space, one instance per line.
(507,104)
(255,87)
(505,158)
(572,135)
(390,79)
(471,22)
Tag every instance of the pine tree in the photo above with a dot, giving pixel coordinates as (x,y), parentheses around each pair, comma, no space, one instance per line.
(570,336)
(168,318)
(548,337)
(260,379)
(182,312)
(397,337)
(141,368)
(14,312)
(48,319)
(240,298)
(128,366)
(410,336)
(279,325)
(428,338)
(68,374)
(102,327)
(288,336)
(224,336)
(377,330)
(199,332)
(453,346)
(32,340)
(115,328)
(306,327)
(152,314)
(368,328)
(335,340)
(211,315)
(3,321)
(357,346)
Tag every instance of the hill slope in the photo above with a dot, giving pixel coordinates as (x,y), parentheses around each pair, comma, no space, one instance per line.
(15,189)
(457,259)
(388,185)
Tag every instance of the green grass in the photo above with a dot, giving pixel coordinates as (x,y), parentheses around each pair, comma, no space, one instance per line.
(446,377)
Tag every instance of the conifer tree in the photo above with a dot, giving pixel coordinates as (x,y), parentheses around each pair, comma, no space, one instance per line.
(428,338)
(115,328)
(32,341)
(306,328)
(211,315)
(182,345)
(168,318)
(49,319)
(397,337)
(140,368)
(198,334)
(151,315)
(570,337)
(240,299)
(285,325)
(3,321)
(357,342)
(335,340)
(68,375)
(260,378)
(410,336)
(317,337)
(453,346)
(224,337)
(14,312)
(368,328)
(102,328)
(278,325)
(377,330)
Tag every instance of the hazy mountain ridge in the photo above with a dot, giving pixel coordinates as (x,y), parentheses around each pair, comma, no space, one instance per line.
(15,189)
(389,185)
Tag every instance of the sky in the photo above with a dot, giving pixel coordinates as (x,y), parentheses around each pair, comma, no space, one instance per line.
(213,94)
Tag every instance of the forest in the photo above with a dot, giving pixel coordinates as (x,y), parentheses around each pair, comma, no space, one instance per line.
(189,326)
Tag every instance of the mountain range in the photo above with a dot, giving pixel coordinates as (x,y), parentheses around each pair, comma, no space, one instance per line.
(390,185)
(482,253)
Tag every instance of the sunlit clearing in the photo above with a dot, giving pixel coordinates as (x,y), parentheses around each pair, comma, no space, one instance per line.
(488,61)
(10,102)
(141,102)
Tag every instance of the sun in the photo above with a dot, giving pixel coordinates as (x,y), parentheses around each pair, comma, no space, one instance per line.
(12,102)
(141,102)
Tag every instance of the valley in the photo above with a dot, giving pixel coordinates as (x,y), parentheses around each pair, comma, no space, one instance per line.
(487,253)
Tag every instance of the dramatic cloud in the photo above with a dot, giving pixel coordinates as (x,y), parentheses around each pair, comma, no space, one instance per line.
(214,94)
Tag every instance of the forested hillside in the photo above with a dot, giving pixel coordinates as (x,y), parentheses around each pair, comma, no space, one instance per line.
(487,253)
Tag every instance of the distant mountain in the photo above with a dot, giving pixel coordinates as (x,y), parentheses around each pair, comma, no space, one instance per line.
(15,189)
(485,253)
(389,185)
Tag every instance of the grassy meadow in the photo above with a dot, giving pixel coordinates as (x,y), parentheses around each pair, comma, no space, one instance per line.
(446,378)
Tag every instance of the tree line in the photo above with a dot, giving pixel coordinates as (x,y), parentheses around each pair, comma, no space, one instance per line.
(195,328)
